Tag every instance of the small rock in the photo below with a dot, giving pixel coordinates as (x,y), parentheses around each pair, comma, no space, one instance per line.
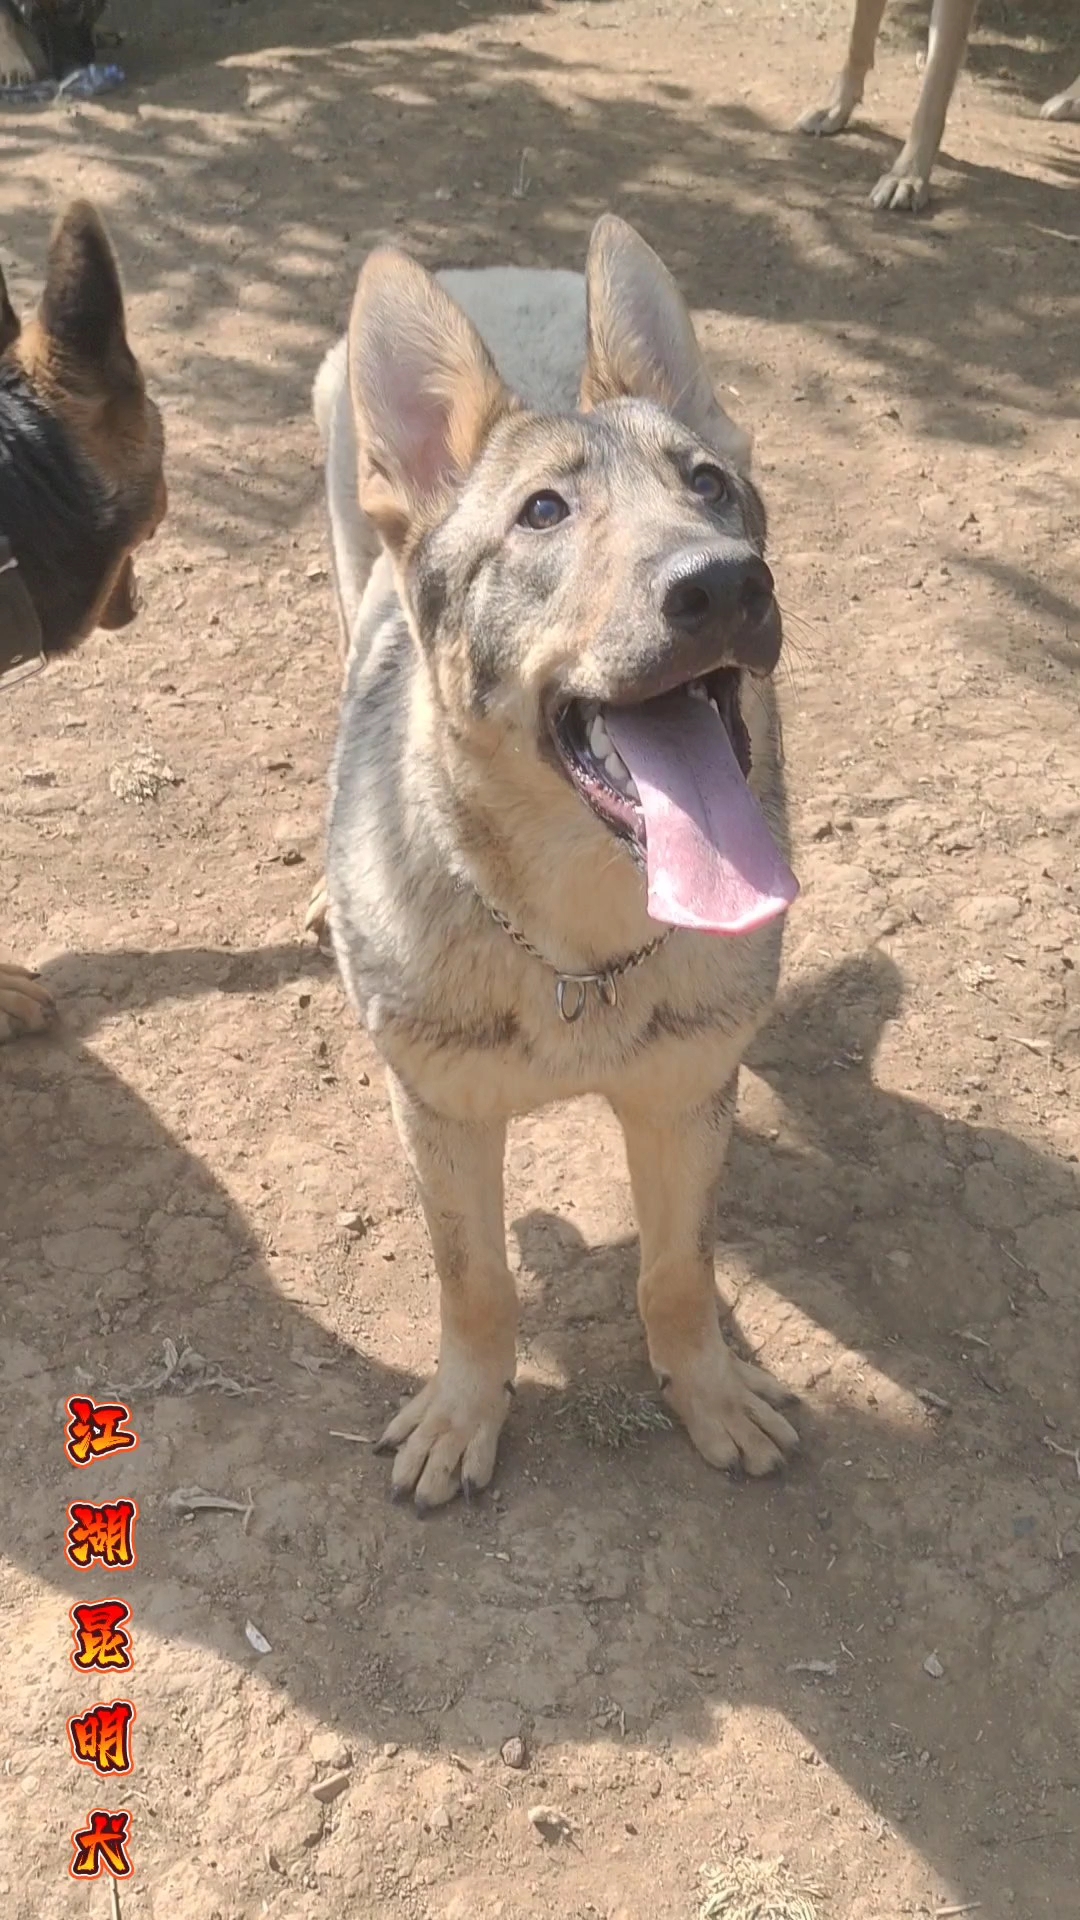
(438,1820)
(985,910)
(328,1749)
(351,1221)
(389,1748)
(326,1790)
(514,1752)
(550,1823)
(932,1665)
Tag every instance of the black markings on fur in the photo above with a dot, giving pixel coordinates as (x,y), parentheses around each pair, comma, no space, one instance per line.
(66,529)
(674,1024)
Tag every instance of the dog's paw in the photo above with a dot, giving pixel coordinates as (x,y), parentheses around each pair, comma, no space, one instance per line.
(832,118)
(729,1409)
(317,910)
(447,1436)
(901,191)
(25,1005)
(1063,106)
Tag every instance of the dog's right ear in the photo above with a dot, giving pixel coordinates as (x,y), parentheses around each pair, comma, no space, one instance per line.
(81,314)
(425,395)
(9,319)
(641,340)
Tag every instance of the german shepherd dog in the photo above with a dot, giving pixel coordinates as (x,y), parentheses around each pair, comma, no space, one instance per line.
(46,39)
(553,864)
(82,482)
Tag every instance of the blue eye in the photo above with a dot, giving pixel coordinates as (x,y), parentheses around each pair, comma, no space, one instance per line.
(542,511)
(709,484)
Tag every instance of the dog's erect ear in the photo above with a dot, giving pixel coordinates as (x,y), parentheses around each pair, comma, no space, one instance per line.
(641,341)
(82,307)
(9,319)
(425,394)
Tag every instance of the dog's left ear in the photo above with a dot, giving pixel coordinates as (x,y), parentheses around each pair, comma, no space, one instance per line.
(82,308)
(641,340)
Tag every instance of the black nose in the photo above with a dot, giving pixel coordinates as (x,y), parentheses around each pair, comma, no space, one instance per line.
(722,590)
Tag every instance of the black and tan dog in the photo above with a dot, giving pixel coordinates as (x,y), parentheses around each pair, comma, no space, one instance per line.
(81,482)
(553,865)
(46,39)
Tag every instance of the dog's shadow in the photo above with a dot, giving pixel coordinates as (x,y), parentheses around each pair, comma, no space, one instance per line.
(597,1576)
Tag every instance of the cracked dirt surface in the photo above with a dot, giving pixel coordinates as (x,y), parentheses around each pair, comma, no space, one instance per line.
(901,1236)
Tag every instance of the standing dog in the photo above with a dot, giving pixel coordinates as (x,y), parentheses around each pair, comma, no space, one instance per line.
(906,186)
(81,481)
(46,39)
(553,864)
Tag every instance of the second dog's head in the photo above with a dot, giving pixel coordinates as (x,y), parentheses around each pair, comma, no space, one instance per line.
(81,443)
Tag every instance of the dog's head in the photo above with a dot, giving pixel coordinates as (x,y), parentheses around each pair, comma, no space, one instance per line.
(578,584)
(82,480)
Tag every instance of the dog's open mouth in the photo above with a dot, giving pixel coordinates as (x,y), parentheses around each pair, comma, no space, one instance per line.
(670,777)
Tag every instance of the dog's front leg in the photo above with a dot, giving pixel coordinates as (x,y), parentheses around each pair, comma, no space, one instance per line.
(676,1163)
(446,1436)
(906,186)
(847,88)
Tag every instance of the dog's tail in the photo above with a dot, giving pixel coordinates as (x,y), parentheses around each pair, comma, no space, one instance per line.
(328,384)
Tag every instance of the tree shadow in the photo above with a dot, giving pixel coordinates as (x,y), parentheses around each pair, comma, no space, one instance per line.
(638,1584)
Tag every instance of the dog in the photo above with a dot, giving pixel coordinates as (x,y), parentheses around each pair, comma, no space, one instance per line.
(46,39)
(82,482)
(556,856)
(906,186)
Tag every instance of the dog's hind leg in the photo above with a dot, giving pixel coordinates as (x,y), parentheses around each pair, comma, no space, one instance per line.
(906,186)
(729,1407)
(847,88)
(1063,106)
(447,1435)
(25,1005)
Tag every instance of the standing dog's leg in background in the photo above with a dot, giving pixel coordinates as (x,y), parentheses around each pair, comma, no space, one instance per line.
(848,85)
(447,1435)
(906,186)
(21,60)
(676,1164)
(1063,106)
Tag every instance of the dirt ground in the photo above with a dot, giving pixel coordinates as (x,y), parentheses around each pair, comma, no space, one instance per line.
(870,1668)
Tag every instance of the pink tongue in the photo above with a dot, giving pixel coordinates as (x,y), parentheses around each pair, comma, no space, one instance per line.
(712,862)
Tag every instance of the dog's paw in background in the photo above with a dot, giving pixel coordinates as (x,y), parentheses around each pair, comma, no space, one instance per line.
(25,1005)
(904,189)
(20,64)
(1063,106)
(728,1408)
(838,109)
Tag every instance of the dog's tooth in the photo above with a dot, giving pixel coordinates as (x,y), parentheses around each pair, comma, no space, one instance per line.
(616,769)
(631,788)
(600,739)
(697,690)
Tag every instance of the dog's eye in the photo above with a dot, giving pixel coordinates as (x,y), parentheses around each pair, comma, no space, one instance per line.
(542,512)
(709,484)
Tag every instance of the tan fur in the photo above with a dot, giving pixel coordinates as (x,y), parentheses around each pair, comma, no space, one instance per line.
(906,186)
(446,804)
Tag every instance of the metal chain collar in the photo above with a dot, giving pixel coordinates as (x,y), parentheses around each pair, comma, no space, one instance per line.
(572,989)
